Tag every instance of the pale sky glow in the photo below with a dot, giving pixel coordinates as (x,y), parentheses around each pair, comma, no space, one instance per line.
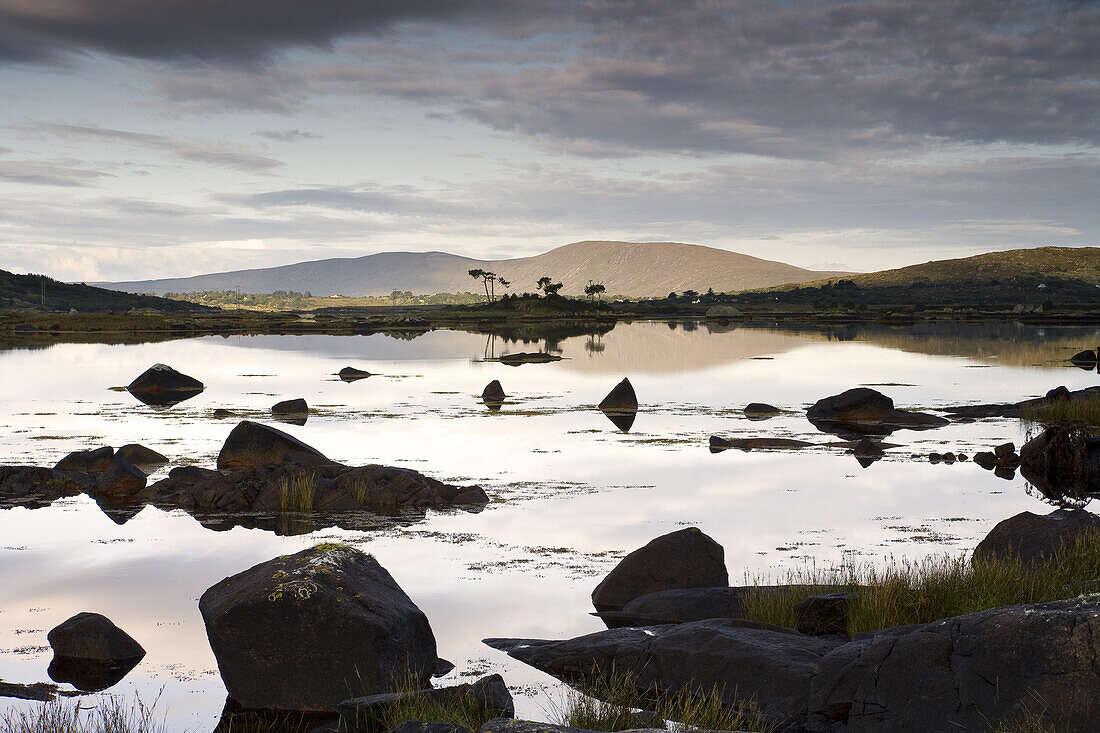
(154,138)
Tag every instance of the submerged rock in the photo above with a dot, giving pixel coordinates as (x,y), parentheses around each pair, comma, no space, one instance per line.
(160,385)
(760,410)
(686,558)
(303,631)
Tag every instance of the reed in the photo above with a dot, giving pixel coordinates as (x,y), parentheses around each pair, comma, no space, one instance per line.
(296,492)
(110,715)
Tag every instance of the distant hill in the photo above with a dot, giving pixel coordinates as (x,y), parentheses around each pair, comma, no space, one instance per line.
(648,269)
(40,293)
(1056,263)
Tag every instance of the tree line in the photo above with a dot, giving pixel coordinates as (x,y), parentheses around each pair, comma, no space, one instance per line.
(545,284)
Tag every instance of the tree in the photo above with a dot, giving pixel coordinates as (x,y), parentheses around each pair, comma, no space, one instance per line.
(596,289)
(503,283)
(487,278)
(548,286)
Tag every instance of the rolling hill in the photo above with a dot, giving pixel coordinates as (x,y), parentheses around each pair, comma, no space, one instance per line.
(1061,263)
(632,269)
(40,293)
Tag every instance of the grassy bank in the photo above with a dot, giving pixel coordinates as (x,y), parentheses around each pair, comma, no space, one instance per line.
(1076,412)
(919,591)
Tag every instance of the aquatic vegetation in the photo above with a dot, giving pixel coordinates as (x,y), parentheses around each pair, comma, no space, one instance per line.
(919,591)
(612,703)
(296,492)
(111,715)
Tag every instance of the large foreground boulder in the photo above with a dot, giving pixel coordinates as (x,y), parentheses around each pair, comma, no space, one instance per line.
(161,385)
(865,411)
(1035,538)
(306,631)
(253,444)
(686,558)
(963,673)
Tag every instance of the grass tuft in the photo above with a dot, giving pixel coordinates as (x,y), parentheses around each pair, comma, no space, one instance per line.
(111,715)
(296,493)
(919,591)
(1079,411)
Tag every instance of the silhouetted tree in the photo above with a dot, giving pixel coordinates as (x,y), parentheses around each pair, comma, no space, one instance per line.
(488,279)
(548,286)
(594,289)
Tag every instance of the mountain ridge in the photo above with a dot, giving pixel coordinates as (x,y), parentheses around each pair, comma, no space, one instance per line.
(638,269)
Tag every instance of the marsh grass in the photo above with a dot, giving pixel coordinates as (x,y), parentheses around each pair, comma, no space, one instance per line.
(296,492)
(1083,411)
(919,591)
(111,715)
(614,702)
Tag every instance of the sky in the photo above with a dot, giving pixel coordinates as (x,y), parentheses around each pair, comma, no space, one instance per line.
(160,138)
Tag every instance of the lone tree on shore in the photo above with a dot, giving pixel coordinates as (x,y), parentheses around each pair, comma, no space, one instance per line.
(594,289)
(488,279)
(548,286)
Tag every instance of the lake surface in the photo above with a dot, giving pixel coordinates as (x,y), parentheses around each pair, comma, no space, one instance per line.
(570,493)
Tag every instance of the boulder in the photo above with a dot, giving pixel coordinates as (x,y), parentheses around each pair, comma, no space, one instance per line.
(87,461)
(676,606)
(161,385)
(493,393)
(1084,359)
(141,456)
(823,614)
(367,713)
(620,399)
(1035,538)
(351,374)
(302,631)
(290,407)
(723,312)
(986,460)
(1004,449)
(222,412)
(962,673)
(864,411)
(253,444)
(1063,464)
(122,481)
(93,636)
(686,558)
(760,410)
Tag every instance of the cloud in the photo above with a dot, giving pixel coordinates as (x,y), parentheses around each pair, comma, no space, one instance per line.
(193,152)
(60,173)
(287,136)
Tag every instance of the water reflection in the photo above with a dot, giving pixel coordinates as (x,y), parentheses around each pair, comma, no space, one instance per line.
(89,675)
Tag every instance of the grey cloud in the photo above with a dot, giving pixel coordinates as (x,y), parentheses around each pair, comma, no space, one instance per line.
(288,136)
(65,173)
(353,199)
(184,150)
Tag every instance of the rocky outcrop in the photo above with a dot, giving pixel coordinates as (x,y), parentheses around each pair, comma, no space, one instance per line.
(301,631)
(160,385)
(864,411)
(1035,538)
(253,444)
(962,673)
(686,558)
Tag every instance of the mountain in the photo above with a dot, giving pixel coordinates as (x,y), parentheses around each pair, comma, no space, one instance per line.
(1055,263)
(625,268)
(40,293)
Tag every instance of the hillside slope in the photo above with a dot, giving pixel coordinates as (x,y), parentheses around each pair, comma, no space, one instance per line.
(1063,263)
(625,268)
(39,293)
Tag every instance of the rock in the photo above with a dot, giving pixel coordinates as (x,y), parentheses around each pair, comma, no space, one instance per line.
(520,358)
(1005,472)
(1004,449)
(1034,538)
(253,444)
(864,411)
(351,374)
(868,448)
(676,606)
(960,456)
(90,675)
(723,312)
(222,412)
(490,693)
(141,456)
(962,673)
(686,558)
(948,457)
(87,461)
(443,667)
(1064,465)
(40,691)
(93,636)
(934,457)
(1084,359)
(718,444)
(493,393)
(823,614)
(620,399)
(161,385)
(301,631)
(122,481)
(420,726)
(292,411)
(760,410)
(986,460)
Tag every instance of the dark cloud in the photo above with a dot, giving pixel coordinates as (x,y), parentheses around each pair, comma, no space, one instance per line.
(223,30)
(193,152)
(288,136)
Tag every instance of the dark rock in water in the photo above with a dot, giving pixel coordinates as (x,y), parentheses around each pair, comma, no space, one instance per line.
(760,410)
(88,461)
(40,691)
(934,457)
(1084,359)
(986,460)
(90,675)
(948,457)
(293,411)
(1004,449)
(161,385)
(351,374)
(620,399)
(443,667)
(719,444)
(141,456)
(537,357)
(222,412)
(864,411)
(823,614)
(624,421)
(961,456)
(686,558)
(122,481)
(1005,472)
(253,444)
(1064,465)
(302,631)
(493,393)
(1035,538)
(93,636)
(868,448)
(944,676)
(490,693)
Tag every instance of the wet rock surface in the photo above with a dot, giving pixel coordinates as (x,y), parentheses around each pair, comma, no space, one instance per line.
(301,631)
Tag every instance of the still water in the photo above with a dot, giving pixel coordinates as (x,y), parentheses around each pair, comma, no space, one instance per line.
(570,493)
